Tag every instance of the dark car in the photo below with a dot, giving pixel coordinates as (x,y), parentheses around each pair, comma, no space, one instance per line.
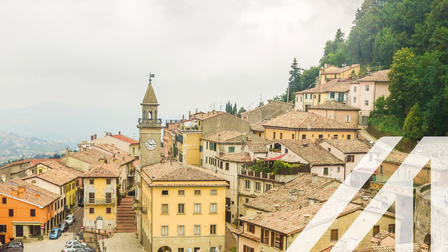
(63,226)
(12,245)
(81,202)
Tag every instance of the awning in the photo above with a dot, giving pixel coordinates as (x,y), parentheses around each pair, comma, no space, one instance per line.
(275,158)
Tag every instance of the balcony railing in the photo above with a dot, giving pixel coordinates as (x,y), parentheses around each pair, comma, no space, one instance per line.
(149,121)
(94,201)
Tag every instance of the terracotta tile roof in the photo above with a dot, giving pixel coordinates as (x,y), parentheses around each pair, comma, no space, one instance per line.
(333,105)
(301,120)
(258,147)
(179,172)
(136,163)
(391,248)
(287,196)
(223,136)
(334,85)
(33,194)
(349,146)
(210,114)
(338,70)
(379,76)
(93,157)
(250,236)
(313,153)
(341,88)
(258,126)
(36,161)
(54,176)
(16,162)
(236,157)
(398,157)
(102,171)
(255,109)
(383,234)
(53,164)
(118,153)
(290,222)
(125,139)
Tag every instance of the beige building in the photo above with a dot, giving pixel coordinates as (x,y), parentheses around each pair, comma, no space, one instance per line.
(272,109)
(183,208)
(10,170)
(365,91)
(337,111)
(329,72)
(306,125)
(120,141)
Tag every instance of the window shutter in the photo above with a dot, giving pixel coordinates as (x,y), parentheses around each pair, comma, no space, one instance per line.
(267,237)
(281,242)
(262,234)
(272,239)
(244,248)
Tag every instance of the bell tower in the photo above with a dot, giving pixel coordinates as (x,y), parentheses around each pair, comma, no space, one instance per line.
(149,129)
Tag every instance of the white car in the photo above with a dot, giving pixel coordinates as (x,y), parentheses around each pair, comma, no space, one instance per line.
(69,250)
(70,243)
(70,219)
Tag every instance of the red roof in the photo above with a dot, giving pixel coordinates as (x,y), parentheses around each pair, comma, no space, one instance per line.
(274,158)
(125,139)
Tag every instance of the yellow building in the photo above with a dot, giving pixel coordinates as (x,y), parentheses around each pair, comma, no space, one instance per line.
(100,197)
(305,125)
(330,72)
(183,208)
(338,111)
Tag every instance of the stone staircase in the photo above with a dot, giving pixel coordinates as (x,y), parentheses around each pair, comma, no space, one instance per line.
(126,222)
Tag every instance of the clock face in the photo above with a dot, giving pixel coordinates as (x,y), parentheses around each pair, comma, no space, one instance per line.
(150,144)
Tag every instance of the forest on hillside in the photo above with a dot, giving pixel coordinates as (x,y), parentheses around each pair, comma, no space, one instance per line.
(410,37)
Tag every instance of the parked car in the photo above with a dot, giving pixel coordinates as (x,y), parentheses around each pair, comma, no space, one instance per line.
(63,226)
(70,250)
(86,249)
(78,246)
(70,219)
(69,243)
(81,202)
(12,246)
(15,244)
(55,233)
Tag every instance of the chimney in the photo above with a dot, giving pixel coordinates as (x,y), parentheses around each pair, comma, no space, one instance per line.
(67,152)
(37,195)
(105,133)
(300,192)
(94,136)
(15,193)
(276,207)
(91,137)
(259,212)
(314,178)
(119,132)
(110,133)
(326,65)
(123,158)
(21,191)
(196,110)
(118,154)
(219,137)
(183,118)
(189,115)
(306,217)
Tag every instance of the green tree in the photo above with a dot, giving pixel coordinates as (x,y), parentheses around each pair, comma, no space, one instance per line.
(242,110)
(413,124)
(295,74)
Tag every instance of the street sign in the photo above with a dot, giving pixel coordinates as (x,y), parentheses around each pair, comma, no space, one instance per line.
(82,227)
(42,227)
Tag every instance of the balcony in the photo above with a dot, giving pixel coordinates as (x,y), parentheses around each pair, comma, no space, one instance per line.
(149,121)
(95,201)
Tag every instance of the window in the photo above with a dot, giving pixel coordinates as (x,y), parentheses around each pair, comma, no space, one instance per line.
(164,192)
(197,208)
(108,197)
(164,208)
(321,136)
(248,249)
(108,210)
(196,249)
(348,119)
(335,137)
(181,192)
(91,197)
(367,87)
(206,160)
(213,192)
(265,236)
(278,241)
(300,98)
(247,184)
(303,136)
(108,181)
(213,207)
(274,136)
(91,181)
(231,149)
(382,169)
(332,95)
(91,210)
(334,235)
(181,208)
(212,229)
(354,89)
(164,230)
(32,212)
(197,230)
(227,166)
(306,96)
(350,158)
(181,230)
(247,200)
(349,137)
(2,228)
(197,192)
(251,228)
(200,148)
(391,228)
(257,186)
(376,230)
(326,171)
(206,145)
(366,102)
(268,187)
(281,135)
(4,200)
(292,136)
(338,169)
(354,99)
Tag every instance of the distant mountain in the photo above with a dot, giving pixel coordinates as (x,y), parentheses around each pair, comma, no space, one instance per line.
(69,123)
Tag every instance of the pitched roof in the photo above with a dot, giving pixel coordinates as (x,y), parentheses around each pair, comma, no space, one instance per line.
(236,157)
(311,152)
(118,153)
(16,162)
(379,76)
(258,126)
(54,176)
(36,161)
(176,171)
(333,105)
(301,120)
(398,157)
(285,196)
(338,70)
(33,194)
(93,157)
(223,136)
(290,222)
(150,96)
(341,88)
(258,147)
(53,164)
(349,146)
(102,170)
(391,248)
(125,138)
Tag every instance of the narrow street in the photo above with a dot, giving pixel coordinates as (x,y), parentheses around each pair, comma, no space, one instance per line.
(76,227)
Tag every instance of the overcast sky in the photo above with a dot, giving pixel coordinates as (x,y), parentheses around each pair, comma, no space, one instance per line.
(202,52)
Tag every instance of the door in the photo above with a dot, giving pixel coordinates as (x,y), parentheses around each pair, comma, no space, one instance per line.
(228,217)
(19,231)
(2,239)
(364,121)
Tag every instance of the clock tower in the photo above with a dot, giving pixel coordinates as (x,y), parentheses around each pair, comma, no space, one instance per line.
(149,129)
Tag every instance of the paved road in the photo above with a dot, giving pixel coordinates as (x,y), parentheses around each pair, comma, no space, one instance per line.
(79,214)
(123,242)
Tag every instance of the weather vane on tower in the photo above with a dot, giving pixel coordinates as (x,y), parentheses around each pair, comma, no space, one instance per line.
(151,75)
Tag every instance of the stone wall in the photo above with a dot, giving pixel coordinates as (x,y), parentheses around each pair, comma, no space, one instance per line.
(422,214)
